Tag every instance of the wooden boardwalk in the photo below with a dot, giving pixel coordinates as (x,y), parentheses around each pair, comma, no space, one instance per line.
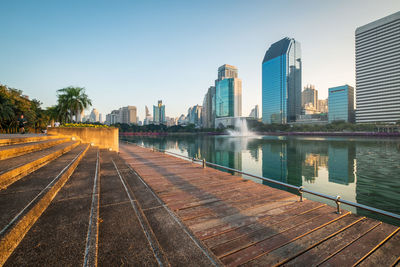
(246,223)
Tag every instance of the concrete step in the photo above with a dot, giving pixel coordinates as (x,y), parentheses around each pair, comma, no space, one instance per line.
(59,237)
(22,203)
(12,139)
(177,244)
(16,150)
(124,238)
(13,169)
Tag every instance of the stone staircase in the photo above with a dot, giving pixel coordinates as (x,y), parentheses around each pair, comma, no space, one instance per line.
(63,203)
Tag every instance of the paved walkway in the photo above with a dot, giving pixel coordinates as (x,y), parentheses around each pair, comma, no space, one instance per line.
(246,223)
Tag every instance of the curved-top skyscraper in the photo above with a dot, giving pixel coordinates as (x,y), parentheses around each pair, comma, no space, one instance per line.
(281,82)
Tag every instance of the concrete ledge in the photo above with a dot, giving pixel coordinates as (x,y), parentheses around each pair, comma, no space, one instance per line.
(11,240)
(104,138)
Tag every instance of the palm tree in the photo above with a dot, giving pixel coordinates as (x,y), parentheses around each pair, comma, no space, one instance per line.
(71,101)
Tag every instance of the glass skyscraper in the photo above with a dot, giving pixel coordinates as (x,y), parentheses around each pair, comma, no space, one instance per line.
(378,70)
(341,104)
(159,113)
(228,93)
(281,82)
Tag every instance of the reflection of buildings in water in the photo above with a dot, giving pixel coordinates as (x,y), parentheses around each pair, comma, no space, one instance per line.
(282,162)
(222,151)
(228,152)
(274,161)
(311,164)
(378,183)
(255,154)
(341,162)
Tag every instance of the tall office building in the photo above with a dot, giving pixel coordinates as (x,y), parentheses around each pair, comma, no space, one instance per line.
(94,116)
(128,115)
(322,106)
(208,112)
(281,82)
(228,92)
(80,116)
(123,115)
(159,113)
(341,104)
(194,115)
(254,113)
(309,96)
(112,118)
(148,118)
(378,70)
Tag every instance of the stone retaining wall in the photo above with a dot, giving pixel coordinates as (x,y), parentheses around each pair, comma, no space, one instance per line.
(102,137)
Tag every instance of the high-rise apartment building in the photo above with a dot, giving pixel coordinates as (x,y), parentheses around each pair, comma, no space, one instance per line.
(281,82)
(341,104)
(378,71)
(228,92)
(159,113)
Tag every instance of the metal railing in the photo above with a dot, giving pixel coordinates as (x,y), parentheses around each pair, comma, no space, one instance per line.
(300,189)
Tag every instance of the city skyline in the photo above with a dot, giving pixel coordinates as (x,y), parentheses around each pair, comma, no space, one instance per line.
(114,59)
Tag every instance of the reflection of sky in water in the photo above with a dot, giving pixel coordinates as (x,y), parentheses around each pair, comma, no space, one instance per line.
(361,170)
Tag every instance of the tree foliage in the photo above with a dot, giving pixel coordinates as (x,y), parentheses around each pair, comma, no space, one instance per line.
(71,101)
(13,104)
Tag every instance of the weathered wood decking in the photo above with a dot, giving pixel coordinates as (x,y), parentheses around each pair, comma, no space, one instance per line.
(245,223)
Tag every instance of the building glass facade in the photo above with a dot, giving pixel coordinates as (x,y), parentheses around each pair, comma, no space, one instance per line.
(228,93)
(341,104)
(224,98)
(159,113)
(281,82)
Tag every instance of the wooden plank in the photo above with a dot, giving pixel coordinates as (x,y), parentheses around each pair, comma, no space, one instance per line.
(241,196)
(293,249)
(277,215)
(361,247)
(324,250)
(386,255)
(279,240)
(237,196)
(265,232)
(260,210)
(256,213)
(217,226)
(201,192)
(215,208)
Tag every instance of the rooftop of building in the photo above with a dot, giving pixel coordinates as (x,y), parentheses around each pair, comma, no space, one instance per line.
(226,66)
(277,49)
(378,23)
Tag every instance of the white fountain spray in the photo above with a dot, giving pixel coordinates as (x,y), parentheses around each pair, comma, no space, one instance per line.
(241,129)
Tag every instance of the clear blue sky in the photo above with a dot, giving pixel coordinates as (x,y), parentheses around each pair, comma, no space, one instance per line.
(137,52)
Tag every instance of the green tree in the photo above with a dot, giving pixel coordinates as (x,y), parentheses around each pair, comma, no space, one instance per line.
(71,101)
(6,111)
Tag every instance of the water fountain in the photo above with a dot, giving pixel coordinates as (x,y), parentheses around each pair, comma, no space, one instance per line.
(241,129)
